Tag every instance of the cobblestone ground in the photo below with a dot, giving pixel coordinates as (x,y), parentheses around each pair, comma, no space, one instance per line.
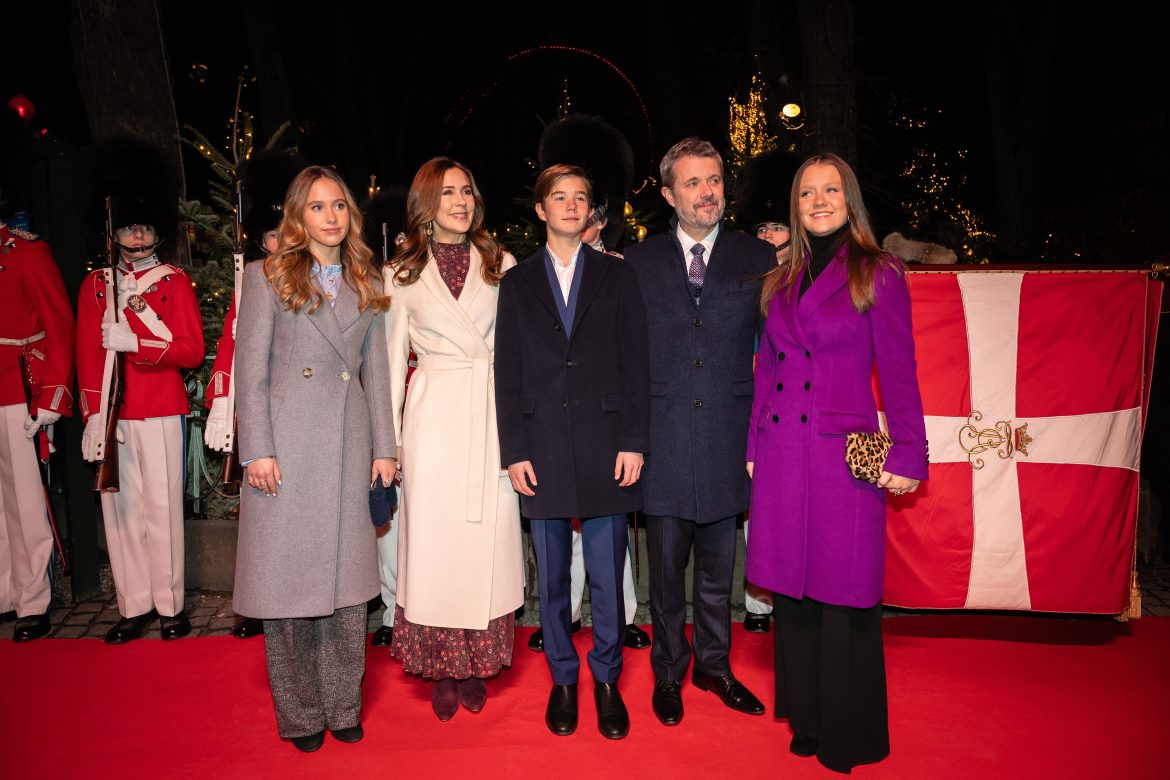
(211,612)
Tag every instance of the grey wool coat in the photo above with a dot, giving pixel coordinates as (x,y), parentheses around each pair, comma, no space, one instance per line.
(313,390)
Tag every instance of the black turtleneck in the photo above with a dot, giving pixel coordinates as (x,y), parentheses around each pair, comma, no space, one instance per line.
(822,250)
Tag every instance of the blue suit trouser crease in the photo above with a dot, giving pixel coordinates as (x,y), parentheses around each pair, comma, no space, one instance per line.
(604,541)
(669,542)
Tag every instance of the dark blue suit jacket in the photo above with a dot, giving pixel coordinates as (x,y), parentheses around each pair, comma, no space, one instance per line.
(700,373)
(569,404)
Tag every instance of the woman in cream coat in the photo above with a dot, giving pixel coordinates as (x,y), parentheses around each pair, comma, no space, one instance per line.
(460,566)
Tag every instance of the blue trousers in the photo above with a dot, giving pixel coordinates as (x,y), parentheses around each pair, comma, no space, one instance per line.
(604,543)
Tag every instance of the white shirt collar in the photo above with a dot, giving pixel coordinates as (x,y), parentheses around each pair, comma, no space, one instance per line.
(687,242)
(564,272)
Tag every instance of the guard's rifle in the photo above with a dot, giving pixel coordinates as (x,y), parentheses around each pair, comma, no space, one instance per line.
(232,474)
(43,448)
(106,478)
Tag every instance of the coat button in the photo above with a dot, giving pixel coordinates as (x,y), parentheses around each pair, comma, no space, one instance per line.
(779,386)
(344,376)
(807,354)
(808,385)
(556,326)
(564,404)
(804,418)
(308,372)
(697,402)
(697,362)
(775,418)
(779,355)
(698,321)
(569,364)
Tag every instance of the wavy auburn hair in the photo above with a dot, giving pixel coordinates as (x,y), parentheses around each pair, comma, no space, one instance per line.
(290,268)
(422,204)
(862,258)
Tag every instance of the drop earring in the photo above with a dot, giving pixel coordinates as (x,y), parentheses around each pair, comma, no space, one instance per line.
(430,226)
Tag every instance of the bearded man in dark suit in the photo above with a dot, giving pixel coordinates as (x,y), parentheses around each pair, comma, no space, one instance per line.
(701,285)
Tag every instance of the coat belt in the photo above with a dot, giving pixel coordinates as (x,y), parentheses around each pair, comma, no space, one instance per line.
(482,493)
(22,342)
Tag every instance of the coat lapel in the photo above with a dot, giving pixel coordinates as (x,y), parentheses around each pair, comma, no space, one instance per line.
(831,280)
(532,270)
(432,280)
(325,319)
(345,308)
(592,275)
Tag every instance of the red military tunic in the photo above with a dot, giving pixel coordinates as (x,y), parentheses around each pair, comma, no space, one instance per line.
(221,370)
(36,321)
(34,309)
(154,385)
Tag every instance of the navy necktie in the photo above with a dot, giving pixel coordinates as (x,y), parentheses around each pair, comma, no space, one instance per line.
(697,271)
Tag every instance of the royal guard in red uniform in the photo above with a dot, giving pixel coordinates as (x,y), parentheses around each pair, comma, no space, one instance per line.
(264,181)
(159,331)
(36,375)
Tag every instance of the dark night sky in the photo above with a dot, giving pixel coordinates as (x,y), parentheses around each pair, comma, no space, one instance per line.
(375,91)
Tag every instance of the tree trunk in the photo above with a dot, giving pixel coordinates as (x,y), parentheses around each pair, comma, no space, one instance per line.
(1019,55)
(120,60)
(826,34)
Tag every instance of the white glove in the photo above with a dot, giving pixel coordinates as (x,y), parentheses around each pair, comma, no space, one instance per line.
(218,429)
(44,418)
(91,439)
(118,336)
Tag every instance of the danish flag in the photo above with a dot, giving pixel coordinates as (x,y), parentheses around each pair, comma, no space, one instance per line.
(1034,388)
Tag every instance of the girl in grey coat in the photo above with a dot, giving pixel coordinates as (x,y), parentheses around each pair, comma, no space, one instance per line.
(314,432)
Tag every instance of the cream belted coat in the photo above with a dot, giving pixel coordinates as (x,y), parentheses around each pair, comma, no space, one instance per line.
(460,560)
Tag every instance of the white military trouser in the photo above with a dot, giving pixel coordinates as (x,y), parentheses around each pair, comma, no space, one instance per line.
(758,601)
(144,520)
(388,564)
(577,579)
(26,540)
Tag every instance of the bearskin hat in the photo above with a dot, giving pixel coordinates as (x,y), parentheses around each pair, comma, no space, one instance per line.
(600,148)
(140,180)
(763,189)
(16,153)
(264,181)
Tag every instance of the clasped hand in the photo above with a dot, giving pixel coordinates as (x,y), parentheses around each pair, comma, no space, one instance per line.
(627,469)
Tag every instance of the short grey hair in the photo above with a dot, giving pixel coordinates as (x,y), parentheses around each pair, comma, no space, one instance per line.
(687,147)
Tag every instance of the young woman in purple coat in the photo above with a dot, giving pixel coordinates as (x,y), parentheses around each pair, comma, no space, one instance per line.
(839,307)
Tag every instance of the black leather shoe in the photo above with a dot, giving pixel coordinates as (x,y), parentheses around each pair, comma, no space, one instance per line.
(561,713)
(803,745)
(613,721)
(383,637)
(175,627)
(7,617)
(733,693)
(310,743)
(636,638)
(31,627)
(757,624)
(128,629)
(536,641)
(248,628)
(667,701)
(351,734)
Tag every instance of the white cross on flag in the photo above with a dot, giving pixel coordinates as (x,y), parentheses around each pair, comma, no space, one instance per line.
(1034,388)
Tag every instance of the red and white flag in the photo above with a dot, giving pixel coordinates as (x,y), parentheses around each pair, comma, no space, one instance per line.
(1034,387)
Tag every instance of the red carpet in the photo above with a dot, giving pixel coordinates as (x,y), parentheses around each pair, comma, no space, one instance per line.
(970,697)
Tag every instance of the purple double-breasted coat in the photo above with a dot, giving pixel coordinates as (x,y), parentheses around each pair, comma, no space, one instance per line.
(816,530)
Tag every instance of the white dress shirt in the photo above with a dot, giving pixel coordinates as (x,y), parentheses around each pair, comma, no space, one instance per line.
(565,272)
(687,242)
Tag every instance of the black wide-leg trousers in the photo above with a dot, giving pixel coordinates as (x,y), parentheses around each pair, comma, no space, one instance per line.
(831,679)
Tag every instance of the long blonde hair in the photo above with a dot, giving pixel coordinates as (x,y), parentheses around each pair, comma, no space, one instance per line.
(863,254)
(289,269)
(422,204)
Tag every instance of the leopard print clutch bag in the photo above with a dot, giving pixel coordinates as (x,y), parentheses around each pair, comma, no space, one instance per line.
(865,454)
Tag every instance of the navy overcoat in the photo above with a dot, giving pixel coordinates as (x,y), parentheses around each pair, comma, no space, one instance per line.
(570,403)
(700,373)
